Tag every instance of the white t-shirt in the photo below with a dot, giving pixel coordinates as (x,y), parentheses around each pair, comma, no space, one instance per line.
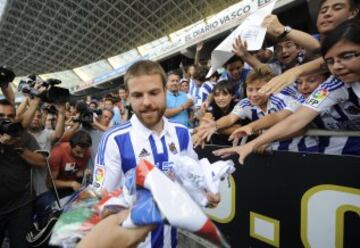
(39,174)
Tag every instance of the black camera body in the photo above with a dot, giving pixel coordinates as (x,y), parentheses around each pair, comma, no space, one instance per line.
(86,114)
(10,128)
(49,109)
(52,94)
(6,76)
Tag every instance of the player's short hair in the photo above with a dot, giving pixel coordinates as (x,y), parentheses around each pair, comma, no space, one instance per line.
(142,68)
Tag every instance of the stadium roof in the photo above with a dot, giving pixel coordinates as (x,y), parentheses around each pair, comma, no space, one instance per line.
(39,36)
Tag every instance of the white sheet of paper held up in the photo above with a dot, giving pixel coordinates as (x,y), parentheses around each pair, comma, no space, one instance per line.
(250,30)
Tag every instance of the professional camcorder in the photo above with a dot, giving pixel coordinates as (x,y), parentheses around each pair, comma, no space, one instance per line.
(50,109)
(6,76)
(10,128)
(52,94)
(86,114)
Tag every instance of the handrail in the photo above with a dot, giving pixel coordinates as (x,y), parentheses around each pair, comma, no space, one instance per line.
(340,133)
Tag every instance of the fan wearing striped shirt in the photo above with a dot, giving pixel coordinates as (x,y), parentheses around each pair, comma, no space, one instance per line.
(254,107)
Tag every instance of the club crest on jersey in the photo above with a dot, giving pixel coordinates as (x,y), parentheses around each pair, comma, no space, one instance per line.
(317,97)
(144,153)
(99,176)
(172,148)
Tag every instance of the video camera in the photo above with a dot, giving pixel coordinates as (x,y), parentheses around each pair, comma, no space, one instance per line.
(10,128)
(49,109)
(86,114)
(6,76)
(52,94)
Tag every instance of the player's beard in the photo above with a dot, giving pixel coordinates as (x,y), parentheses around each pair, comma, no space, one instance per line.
(150,116)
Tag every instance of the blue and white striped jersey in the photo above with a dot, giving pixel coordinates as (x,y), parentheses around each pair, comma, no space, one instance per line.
(246,110)
(332,92)
(206,89)
(194,91)
(291,91)
(338,105)
(122,147)
(277,103)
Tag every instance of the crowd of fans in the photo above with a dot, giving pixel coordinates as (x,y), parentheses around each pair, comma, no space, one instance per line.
(272,95)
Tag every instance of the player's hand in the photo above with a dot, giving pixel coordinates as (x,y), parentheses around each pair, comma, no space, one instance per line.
(213,199)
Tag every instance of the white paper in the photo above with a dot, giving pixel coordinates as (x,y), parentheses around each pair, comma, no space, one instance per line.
(250,31)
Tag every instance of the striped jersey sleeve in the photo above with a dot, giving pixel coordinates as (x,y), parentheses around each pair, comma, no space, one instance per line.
(243,109)
(328,94)
(205,90)
(108,171)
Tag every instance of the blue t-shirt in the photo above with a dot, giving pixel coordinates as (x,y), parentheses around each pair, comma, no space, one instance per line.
(175,101)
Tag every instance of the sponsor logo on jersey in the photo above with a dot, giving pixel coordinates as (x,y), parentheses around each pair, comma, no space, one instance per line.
(144,153)
(317,97)
(99,176)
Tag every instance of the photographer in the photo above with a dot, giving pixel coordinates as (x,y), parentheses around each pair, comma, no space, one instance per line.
(17,156)
(46,138)
(68,162)
(94,122)
(7,76)
(50,117)
(37,91)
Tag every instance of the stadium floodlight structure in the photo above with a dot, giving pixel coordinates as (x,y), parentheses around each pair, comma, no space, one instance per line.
(48,36)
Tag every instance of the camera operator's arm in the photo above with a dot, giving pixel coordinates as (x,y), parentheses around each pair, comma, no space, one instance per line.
(60,124)
(29,114)
(22,107)
(70,132)
(25,147)
(8,93)
(97,125)
(33,158)
(33,106)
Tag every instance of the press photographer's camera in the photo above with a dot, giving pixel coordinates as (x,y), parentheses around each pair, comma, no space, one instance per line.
(86,114)
(6,76)
(50,109)
(52,94)
(10,128)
